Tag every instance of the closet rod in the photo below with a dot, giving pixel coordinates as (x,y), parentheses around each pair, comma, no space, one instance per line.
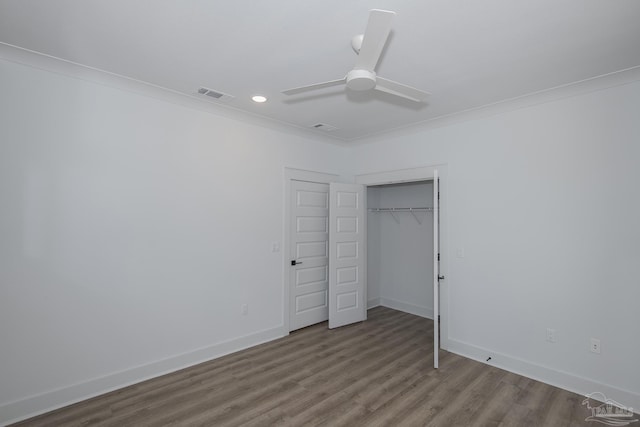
(400,209)
(393,212)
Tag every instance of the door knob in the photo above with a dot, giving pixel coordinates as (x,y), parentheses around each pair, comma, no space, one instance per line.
(294,262)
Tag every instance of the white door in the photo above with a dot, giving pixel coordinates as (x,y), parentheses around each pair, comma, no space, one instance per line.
(309,268)
(436,268)
(347,254)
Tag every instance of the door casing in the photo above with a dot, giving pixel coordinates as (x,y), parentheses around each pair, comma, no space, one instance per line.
(425,173)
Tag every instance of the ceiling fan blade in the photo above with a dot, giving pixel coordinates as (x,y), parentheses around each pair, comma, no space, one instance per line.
(375,37)
(398,89)
(297,90)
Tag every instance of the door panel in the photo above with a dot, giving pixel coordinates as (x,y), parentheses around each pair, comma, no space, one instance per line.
(311,275)
(436,268)
(347,254)
(310,246)
(347,301)
(310,301)
(347,250)
(310,224)
(311,250)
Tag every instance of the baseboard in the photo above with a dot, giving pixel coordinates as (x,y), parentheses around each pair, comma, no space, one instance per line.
(545,374)
(373,303)
(418,310)
(34,405)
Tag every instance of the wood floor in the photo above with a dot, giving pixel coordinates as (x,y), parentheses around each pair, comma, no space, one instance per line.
(376,373)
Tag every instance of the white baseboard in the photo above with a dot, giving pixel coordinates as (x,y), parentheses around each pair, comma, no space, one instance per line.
(34,405)
(418,310)
(545,374)
(373,303)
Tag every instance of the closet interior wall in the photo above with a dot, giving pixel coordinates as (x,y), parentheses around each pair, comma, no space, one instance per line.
(400,248)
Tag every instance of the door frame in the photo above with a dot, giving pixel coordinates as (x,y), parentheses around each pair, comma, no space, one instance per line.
(425,173)
(292,174)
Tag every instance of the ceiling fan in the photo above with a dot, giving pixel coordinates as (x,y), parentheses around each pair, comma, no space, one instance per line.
(363,77)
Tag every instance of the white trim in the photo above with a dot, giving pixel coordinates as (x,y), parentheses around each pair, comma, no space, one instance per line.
(418,310)
(310,176)
(195,101)
(571,89)
(545,374)
(295,175)
(72,69)
(424,173)
(44,402)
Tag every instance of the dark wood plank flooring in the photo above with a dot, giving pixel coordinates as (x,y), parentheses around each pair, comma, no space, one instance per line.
(376,373)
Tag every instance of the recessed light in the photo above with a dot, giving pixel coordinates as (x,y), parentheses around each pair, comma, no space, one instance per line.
(259,98)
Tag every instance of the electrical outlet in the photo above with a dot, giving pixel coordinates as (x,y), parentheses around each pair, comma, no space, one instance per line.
(244,309)
(552,335)
(595,345)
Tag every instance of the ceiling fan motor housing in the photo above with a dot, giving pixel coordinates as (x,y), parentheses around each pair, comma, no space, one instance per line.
(361,79)
(356,42)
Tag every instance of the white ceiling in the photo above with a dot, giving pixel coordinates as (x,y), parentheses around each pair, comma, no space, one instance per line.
(466,53)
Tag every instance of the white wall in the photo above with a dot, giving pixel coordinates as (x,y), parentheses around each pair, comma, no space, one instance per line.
(544,203)
(127,223)
(401,252)
(131,232)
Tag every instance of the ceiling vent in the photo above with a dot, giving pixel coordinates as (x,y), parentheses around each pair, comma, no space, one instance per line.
(324,126)
(214,94)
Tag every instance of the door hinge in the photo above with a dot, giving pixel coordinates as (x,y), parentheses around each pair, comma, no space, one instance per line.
(438,257)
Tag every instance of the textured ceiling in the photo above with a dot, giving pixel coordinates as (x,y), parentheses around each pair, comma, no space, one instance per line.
(466,53)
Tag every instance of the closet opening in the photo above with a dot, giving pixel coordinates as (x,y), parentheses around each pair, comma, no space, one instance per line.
(400,247)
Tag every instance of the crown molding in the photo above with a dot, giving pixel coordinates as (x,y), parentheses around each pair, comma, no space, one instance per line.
(593,84)
(72,69)
(57,65)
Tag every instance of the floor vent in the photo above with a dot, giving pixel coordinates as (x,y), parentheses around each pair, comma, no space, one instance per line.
(324,126)
(214,94)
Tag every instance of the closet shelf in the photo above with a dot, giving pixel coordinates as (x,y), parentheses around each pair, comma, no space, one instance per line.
(393,212)
(400,209)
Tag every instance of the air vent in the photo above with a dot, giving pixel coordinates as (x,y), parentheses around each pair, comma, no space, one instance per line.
(324,126)
(214,94)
